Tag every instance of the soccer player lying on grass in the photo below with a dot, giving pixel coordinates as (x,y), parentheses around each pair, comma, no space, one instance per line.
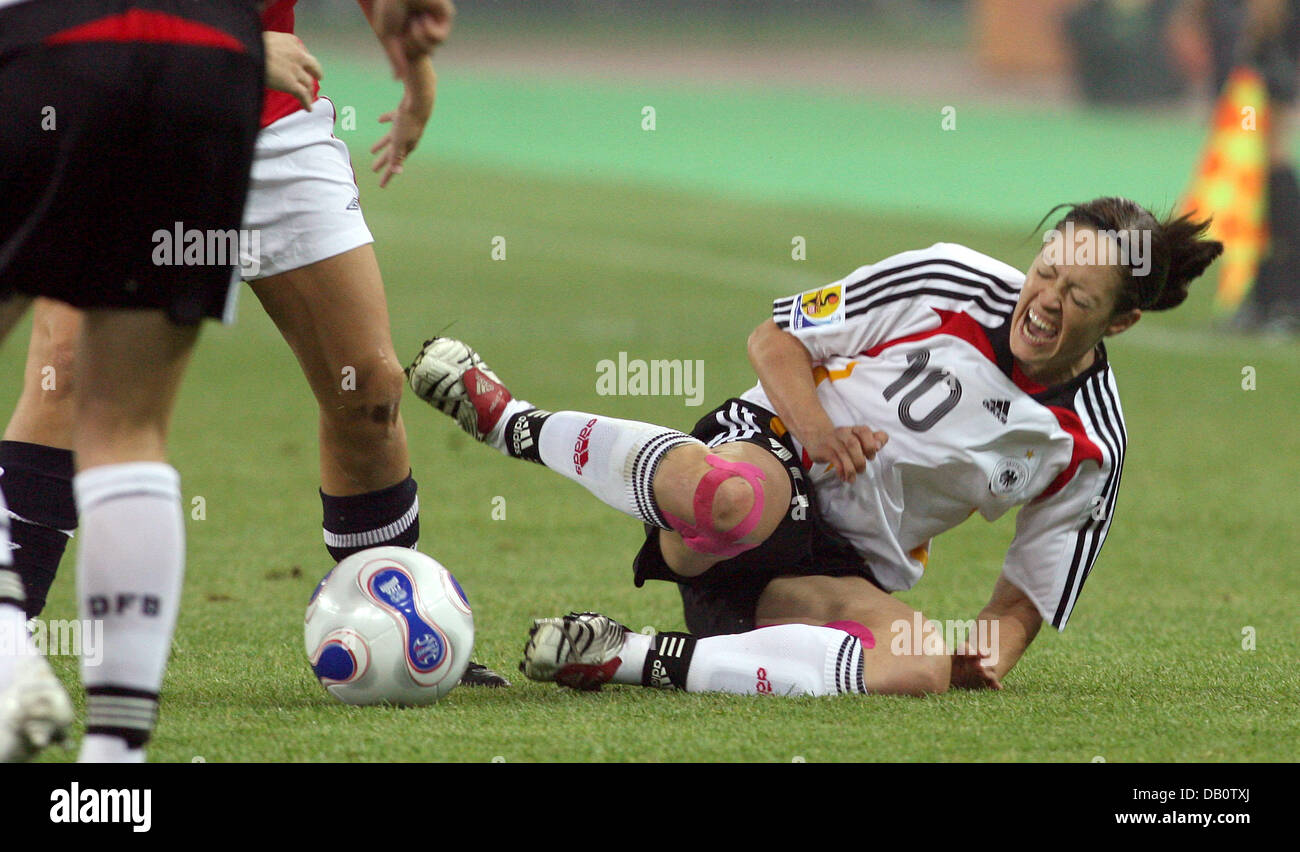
(891,405)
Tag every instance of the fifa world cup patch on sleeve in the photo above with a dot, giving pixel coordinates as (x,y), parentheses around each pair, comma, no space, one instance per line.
(823,306)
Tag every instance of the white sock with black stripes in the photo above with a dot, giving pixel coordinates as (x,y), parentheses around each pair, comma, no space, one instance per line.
(614,459)
(785,659)
(130,568)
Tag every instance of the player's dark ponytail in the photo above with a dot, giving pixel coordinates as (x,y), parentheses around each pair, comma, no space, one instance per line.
(1190,254)
(1180,253)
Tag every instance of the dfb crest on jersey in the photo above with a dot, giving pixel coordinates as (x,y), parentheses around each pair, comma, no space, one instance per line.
(1009,476)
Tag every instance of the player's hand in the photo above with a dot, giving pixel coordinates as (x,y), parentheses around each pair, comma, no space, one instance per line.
(289,67)
(972,670)
(845,448)
(408,122)
(410,29)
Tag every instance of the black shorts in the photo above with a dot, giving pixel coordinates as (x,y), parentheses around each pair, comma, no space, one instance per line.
(111,149)
(723,599)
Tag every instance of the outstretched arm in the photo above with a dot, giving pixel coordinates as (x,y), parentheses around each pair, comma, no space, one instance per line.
(421,86)
(785,369)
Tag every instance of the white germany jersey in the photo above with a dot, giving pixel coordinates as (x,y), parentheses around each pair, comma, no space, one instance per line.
(918,345)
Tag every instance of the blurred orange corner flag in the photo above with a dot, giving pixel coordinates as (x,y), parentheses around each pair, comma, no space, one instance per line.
(1230,183)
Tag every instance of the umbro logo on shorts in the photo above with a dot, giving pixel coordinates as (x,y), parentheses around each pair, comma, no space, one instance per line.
(998,408)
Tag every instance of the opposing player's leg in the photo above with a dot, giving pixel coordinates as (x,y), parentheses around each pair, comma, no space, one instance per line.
(711,504)
(35,710)
(36,464)
(334,315)
(36,476)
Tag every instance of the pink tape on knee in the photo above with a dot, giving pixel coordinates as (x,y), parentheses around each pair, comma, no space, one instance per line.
(703,537)
(854,628)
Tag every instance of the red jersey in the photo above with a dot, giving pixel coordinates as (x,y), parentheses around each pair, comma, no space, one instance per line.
(278,18)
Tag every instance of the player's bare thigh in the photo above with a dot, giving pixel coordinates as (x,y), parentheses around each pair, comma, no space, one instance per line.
(332,312)
(821,600)
(334,315)
(132,362)
(45,411)
(678,479)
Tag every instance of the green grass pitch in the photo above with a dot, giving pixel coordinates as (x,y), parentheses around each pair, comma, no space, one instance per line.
(1152,668)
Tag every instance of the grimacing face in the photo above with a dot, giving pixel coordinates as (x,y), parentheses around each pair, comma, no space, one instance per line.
(1064,311)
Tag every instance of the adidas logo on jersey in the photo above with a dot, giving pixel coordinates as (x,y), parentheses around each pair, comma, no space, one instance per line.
(999,408)
(355,204)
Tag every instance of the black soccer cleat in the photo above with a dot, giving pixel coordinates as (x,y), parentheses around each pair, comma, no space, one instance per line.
(478,674)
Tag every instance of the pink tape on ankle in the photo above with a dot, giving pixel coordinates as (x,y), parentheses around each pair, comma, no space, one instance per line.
(703,537)
(857,629)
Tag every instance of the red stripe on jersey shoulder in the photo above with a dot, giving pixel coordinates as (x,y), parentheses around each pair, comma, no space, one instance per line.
(1084,449)
(954,323)
(140,25)
(962,325)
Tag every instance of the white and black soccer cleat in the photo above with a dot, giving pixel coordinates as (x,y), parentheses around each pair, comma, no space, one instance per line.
(35,710)
(451,377)
(580,650)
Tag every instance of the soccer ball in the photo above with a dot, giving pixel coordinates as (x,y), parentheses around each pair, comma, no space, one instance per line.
(388,625)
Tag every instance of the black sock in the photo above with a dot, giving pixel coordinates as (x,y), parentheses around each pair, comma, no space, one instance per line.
(522,435)
(668,661)
(390,516)
(37,483)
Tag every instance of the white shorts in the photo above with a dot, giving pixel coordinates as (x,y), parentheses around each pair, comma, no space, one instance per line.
(303,203)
